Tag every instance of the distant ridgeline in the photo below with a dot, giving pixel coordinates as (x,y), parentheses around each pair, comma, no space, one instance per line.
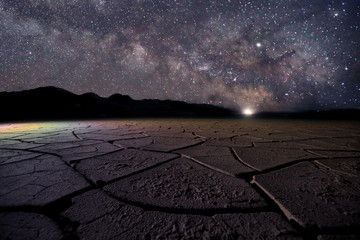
(56,103)
(51,103)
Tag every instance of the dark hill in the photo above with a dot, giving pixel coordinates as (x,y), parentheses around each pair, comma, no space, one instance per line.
(56,103)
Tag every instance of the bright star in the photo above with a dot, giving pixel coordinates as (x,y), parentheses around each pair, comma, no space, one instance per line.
(248,112)
(258,44)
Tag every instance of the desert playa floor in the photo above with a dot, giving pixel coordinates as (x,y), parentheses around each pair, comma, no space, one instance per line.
(180,179)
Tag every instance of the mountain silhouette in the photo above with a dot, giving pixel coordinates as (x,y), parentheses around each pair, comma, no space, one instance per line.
(56,103)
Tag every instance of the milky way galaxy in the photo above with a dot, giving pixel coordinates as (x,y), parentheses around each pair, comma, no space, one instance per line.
(275,55)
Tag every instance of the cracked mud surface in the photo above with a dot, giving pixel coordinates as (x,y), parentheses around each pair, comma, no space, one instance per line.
(180,179)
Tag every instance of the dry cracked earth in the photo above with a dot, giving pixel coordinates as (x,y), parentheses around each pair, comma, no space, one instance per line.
(180,179)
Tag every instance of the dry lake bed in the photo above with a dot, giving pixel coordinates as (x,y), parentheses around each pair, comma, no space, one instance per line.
(180,179)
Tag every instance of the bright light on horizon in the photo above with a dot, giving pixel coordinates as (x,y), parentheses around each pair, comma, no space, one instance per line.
(248,112)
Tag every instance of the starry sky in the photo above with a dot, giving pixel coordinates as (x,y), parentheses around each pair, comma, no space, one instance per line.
(276,55)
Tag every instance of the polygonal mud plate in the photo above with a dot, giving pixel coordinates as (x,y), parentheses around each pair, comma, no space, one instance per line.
(16,144)
(22,225)
(102,217)
(313,195)
(111,137)
(10,156)
(114,165)
(183,184)
(336,153)
(166,144)
(134,143)
(88,151)
(204,150)
(90,206)
(350,166)
(37,182)
(226,164)
(266,158)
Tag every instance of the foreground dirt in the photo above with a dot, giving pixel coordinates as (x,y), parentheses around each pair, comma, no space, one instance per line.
(180,179)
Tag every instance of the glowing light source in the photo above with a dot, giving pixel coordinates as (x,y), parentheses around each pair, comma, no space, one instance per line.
(258,44)
(248,112)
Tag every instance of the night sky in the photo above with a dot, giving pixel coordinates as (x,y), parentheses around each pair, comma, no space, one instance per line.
(274,55)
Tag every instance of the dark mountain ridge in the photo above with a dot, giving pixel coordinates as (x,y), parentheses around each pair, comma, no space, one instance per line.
(52,103)
(56,103)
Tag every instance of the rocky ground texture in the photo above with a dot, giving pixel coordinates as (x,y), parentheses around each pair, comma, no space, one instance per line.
(180,179)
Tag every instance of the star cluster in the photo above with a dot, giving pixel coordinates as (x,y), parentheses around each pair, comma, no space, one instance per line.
(274,55)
